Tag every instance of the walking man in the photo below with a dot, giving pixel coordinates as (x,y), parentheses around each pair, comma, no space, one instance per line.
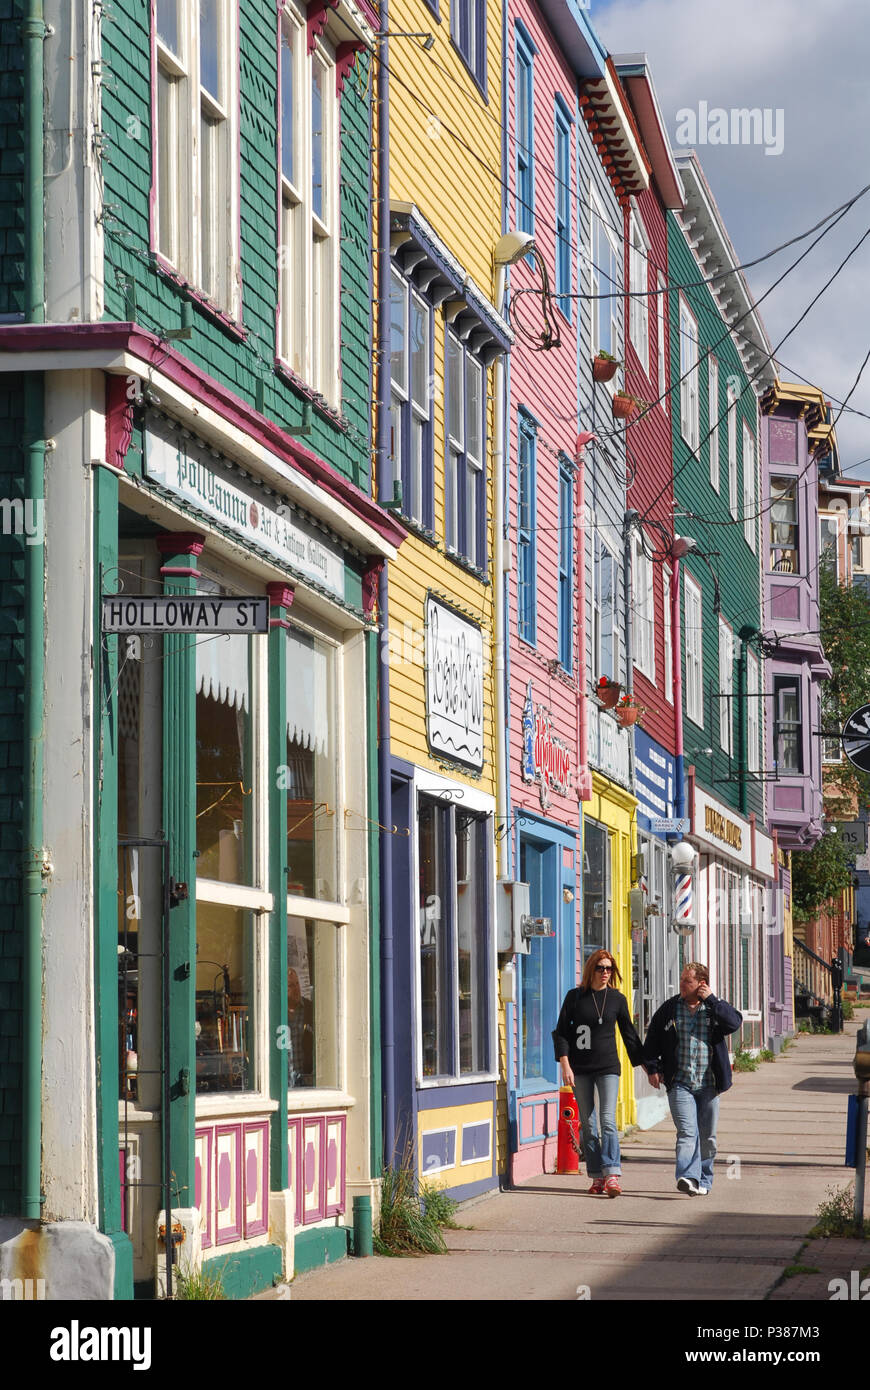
(685,1044)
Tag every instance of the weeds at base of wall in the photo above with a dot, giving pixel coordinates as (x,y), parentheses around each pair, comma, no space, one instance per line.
(408,1225)
(744,1061)
(836,1215)
(200,1285)
(765,1055)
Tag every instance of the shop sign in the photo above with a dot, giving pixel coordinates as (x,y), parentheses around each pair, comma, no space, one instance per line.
(729,834)
(183,468)
(454,685)
(184,613)
(546,759)
(608,747)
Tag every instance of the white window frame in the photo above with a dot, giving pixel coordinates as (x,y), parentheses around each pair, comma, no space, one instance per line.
(661,308)
(753,711)
(668,636)
(643,609)
(308,308)
(689,419)
(600,284)
(732,450)
(694,607)
(713,418)
(750,520)
(600,547)
(726,687)
(638,313)
(199,243)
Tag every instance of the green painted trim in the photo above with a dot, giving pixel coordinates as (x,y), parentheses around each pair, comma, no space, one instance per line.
(248,1271)
(322,1246)
(376,1096)
(124,1287)
(278,1068)
(179,820)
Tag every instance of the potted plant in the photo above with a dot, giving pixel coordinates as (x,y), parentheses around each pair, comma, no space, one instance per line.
(628,711)
(607,692)
(623,405)
(604,366)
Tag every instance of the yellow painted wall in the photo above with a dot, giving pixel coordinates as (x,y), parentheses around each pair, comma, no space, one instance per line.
(437,118)
(448,1117)
(616,808)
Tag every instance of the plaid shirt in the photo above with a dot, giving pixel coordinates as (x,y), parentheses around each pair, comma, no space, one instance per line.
(693,1052)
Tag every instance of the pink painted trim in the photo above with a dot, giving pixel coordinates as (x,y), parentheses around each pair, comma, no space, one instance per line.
(180,543)
(280,151)
(296,1176)
(370,581)
(336,1208)
(345,57)
(317,17)
(207,1187)
(370,13)
(233,1232)
(677,661)
(119,421)
(238,265)
(139,342)
(281,595)
(312,1122)
(259,1227)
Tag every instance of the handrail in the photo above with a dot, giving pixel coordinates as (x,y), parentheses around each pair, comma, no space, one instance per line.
(810,952)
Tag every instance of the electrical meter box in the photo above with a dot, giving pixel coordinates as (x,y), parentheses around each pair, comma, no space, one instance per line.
(512,905)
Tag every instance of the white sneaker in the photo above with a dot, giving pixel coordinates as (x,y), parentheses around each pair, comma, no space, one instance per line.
(686,1185)
(702,1192)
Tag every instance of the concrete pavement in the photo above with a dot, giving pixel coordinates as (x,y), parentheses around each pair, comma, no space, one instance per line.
(781,1147)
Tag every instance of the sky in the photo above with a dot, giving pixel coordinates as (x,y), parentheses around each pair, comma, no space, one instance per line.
(809,63)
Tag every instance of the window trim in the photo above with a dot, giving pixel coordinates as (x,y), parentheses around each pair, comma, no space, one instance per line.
(596,276)
(527,617)
(726,691)
(713,420)
(638,283)
(643,609)
(731,408)
(694,649)
(667,581)
(753,711)
(781,684)
(477,71)
(460,459)
(402,399)
(750,502)
(689,377)
(524,162)
(566,572)
(562,125)
(661,348)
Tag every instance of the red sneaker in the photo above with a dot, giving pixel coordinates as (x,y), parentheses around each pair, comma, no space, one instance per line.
(597,1187)
(612,1188)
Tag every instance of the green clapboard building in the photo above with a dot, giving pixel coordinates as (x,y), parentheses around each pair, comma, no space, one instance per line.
(189,944)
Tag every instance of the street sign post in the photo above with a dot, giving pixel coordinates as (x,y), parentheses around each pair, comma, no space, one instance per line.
(185,613)
(669,825)
(856,738)
(853,834)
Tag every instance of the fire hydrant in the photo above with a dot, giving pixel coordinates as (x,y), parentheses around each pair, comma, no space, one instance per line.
(568,1134)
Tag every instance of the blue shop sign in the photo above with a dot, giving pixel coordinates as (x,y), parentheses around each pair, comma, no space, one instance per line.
(655,779)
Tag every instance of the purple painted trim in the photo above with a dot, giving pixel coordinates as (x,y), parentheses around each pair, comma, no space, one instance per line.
(435,1097)
(128,337)
(279,148)
(207,1186)
(233,1232)
(238,266)
(119,421)
(317,17)
(296,1175)
(370,13)
(314,1122)
(261,1226)
(345,57)
(336,1208)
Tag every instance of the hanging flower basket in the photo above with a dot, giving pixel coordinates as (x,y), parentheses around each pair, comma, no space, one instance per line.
(607,692)
(623,406)
(604,367)
(628,711)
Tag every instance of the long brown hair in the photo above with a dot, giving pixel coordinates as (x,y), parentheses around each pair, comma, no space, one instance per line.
(589,970)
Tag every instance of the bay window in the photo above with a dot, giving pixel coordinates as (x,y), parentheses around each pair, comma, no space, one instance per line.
(787,729)
(195,230)
(784,535)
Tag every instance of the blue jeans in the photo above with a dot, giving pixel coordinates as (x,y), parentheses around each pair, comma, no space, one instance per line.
(602,1154)
(695,1115)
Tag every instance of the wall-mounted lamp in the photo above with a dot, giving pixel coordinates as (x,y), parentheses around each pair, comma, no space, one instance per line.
(567,895)
(682,546)
(512,246)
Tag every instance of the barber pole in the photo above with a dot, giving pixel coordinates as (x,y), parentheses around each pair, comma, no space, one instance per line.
(684,901)
(568,1133)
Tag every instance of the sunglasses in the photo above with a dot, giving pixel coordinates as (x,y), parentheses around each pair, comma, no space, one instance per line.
(604,967)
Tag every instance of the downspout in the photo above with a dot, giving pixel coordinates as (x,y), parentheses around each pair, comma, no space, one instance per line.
(677,664)
(34,857)
(630,520)
(584,776)
(382,455)
(498,455)
(742,713)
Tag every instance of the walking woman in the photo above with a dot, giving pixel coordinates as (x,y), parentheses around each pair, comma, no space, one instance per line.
(585,1043)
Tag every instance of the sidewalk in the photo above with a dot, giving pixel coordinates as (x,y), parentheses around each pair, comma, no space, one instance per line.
(781,1146)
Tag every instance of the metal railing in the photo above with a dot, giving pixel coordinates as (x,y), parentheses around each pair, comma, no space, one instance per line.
(817,984)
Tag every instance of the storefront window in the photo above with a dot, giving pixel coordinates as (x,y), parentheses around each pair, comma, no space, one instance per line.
(454,937)
(225,965)
(596,889)
(224,756)
(313,1003)
(310,773)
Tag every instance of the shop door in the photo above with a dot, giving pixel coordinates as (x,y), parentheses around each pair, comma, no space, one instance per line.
(539,973)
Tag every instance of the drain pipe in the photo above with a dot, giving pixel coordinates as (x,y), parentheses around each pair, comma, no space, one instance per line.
(34,857)
(677,663)
(385,485)
(584,776)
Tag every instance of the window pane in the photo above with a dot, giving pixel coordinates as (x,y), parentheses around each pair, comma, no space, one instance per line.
(210,21)
(455,402)
(224,738)
(595,889)
(474,409)
(167,24)
(287,95)
(317,140)
(310,772)
(471,918)
(224,999)
(420,354)
(167,156)
(213,210)
(312,1003)
(399,334)
(435,965)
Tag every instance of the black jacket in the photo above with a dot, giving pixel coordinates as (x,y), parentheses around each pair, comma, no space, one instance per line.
(660,1048)
(578,1024)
